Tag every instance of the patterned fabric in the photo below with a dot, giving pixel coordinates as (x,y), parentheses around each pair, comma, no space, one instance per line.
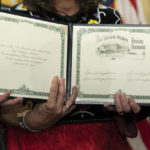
(21,7)
(101,14)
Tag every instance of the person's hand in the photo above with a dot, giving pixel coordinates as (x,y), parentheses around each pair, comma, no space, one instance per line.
(5,101)
(46,114)
(126,112)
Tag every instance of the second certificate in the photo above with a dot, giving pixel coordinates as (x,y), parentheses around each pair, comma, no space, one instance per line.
(110,59)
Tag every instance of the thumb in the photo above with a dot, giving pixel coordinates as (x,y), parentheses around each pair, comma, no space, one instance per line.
(4,97)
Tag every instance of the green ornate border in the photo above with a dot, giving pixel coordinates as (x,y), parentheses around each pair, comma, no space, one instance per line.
(23,89)
(80,34)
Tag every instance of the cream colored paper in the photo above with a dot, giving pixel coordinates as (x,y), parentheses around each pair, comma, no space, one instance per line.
(107,60)
(31,53)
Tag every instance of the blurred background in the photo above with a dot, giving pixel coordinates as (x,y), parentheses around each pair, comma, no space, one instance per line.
(132,11)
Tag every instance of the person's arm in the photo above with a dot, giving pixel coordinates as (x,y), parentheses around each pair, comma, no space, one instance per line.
(43,115)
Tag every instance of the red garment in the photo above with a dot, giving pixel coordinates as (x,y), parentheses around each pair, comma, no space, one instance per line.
(144,129)
(98,136)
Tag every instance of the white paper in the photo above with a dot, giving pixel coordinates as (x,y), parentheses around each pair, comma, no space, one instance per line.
(109,59)
(31,53)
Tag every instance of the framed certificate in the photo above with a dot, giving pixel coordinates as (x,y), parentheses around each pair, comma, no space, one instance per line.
(31,53)
(110,59)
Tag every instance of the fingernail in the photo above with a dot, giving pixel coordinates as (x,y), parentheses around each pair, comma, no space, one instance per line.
(55,78)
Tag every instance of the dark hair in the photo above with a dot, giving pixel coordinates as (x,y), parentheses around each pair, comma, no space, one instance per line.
(48,5)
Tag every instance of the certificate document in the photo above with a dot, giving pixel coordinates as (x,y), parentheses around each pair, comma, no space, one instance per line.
(101,60)
(110,59)
(31,53)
